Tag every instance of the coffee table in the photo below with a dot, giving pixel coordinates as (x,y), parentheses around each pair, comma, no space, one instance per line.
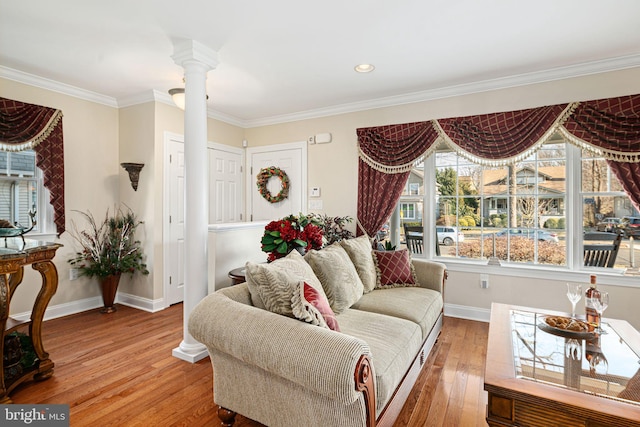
(537,378)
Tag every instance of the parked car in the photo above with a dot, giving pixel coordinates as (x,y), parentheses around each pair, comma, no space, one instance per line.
(541,235)
(608,224)
(448,235)
(630,226)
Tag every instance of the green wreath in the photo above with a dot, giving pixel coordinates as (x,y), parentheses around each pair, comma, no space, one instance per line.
(264,176)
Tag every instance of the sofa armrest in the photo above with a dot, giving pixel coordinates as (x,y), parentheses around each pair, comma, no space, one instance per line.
(430,274)
(316,358)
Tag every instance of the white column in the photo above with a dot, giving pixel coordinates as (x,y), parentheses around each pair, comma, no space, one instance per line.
(197,60)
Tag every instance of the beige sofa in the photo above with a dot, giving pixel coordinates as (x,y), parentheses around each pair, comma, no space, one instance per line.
(280,371)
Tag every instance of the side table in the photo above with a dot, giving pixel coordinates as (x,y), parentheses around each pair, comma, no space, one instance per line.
(13,257)
(237,275)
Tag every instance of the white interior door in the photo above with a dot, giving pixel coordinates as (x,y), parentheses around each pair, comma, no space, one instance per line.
(292,159)
(174,221)
(225,184)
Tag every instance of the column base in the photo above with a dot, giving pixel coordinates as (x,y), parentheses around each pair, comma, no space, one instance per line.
(190,352)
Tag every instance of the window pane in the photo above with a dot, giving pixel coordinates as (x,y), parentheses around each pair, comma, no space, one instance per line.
(22,163)
(526,199)
(18,188)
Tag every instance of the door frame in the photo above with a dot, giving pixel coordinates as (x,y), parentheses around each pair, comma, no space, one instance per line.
(250,184)
(243,164)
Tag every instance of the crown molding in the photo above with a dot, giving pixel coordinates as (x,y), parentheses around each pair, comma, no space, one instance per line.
(52,85)
(578,70)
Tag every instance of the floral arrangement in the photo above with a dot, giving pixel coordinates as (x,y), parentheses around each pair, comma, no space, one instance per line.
(109,247)
(289,233)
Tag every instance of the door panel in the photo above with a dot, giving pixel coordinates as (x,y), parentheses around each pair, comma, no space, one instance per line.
(175,264)
(291,161)
(225,182)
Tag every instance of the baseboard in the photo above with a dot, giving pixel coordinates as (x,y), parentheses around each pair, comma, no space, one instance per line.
(66,309)
(140,303)
(467,312)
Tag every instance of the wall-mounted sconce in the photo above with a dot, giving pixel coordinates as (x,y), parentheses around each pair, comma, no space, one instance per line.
(134,173)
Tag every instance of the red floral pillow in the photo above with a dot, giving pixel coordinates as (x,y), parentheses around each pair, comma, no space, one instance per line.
(394,269)
(311,306)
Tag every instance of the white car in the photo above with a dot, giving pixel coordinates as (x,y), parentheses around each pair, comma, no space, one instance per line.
(448,235)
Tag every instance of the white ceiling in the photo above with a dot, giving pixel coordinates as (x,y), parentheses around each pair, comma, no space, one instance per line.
(286,59)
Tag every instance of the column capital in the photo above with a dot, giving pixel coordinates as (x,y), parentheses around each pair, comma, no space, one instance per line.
(186,51)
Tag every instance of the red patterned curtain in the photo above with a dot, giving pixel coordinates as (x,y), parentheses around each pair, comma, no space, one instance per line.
(27,126)
(387,154)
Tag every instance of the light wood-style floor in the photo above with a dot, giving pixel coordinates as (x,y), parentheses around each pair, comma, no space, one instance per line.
(117,370)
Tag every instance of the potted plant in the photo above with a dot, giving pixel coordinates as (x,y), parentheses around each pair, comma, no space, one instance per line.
(108,249)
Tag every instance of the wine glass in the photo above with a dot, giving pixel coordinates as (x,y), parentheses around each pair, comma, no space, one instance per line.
(600,304)
(574,293)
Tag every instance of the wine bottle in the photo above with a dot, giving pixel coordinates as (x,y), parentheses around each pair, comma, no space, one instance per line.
(592,315)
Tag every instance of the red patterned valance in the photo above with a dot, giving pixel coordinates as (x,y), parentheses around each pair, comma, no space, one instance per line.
(26,126)
(394,148)
(609,126)
(505,137)
(612,125)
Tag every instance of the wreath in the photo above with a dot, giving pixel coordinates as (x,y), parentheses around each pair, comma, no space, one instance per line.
(265,175)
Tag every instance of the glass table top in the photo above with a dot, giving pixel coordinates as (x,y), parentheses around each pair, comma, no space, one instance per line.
(598,364)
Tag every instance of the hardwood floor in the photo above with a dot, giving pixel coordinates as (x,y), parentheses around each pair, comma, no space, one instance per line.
(117,370)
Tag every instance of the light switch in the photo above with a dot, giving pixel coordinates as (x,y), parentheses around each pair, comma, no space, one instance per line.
(315,204)
(315,192)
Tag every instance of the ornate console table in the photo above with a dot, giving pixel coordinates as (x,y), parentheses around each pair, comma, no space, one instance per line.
(14,255)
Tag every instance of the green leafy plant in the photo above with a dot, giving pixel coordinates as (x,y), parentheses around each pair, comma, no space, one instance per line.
(108,247)
(334,228)
(388,246)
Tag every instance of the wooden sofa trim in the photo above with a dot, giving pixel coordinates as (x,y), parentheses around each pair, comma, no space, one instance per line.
(364,382)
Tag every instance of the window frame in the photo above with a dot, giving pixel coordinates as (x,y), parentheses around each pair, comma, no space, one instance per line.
(44,215)
(572,271)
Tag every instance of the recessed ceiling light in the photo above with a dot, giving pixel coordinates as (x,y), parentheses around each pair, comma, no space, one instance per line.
(364,68)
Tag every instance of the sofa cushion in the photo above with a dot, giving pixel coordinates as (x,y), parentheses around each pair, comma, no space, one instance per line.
(419,305)
(338,276)
(272,285)
(394,268)
(312,307)
(394,344)
(361,254)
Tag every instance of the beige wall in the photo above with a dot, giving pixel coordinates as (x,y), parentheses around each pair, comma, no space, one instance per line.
(333,167)
(91,180)
(99,138)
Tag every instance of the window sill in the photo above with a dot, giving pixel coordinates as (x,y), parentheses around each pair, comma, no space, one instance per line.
(613,277)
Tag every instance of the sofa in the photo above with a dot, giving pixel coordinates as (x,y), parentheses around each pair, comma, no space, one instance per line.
(334,338)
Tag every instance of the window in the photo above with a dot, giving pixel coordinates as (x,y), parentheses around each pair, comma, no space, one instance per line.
(21,190)
(408,210)
(519,214)
(414,188)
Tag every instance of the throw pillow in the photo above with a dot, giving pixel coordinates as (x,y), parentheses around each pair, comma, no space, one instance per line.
(311,306)
(359,250)
(394,269)
(272,285)
(338,276)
